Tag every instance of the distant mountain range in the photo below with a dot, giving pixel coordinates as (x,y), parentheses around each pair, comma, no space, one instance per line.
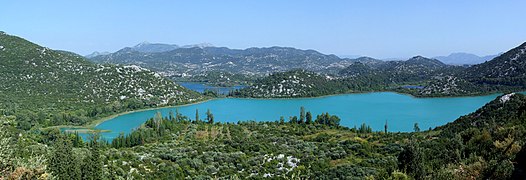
(191,60)
(419,76)
(96,53)
(464,58)
(179,61)
(175,61)
(146,47)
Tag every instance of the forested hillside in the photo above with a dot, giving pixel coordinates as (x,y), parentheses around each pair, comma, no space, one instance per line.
(486,144)
(418,76)
(295,83)
(44,87)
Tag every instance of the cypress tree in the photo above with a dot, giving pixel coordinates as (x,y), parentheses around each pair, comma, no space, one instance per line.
(209,117)
(171,114)
(196,115)
(92,167)
(302,115)
(385,127)
(309,118)
(62,163)
(416,128)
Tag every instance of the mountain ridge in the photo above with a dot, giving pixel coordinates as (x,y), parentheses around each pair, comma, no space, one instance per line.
(461,58)
(32,76)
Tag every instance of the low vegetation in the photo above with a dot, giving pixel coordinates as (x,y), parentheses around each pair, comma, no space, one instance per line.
(486,144)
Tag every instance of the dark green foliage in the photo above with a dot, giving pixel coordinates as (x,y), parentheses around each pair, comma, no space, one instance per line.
(364,128)
(410,160)
(484,144)
(295,83)
(209,117)
(327,119)
(416,128)
(202,150)
(430,77)
(302,115)
(62,163)
(487,144)
(308,116)
(92,164)
(44,87)
(196,115)
(385,127)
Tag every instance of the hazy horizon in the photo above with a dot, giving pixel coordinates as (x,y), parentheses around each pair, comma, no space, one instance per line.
(376,29)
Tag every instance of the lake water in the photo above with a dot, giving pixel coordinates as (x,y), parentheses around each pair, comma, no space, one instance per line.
(202,87)
(400,111)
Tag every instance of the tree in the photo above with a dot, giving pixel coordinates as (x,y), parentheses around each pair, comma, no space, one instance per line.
(410,160)
(309,118)
(196,115)
(334,121)
(385,127)
(281,120)
(293,119)
(62,163)
(209,117)
(158,119)
(364,128)
(321,119)
(178,116)
(302,115)
(171,115)
(77,140)
(7,148)
(92,167)
(416,128)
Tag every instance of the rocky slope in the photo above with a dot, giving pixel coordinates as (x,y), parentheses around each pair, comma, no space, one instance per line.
(251,61)
(35,77)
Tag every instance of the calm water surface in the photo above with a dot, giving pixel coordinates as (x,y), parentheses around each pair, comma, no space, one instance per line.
(400,111)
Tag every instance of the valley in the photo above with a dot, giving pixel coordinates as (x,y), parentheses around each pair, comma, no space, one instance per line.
(163,111)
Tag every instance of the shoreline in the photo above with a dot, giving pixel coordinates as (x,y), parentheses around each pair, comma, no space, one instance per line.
(350,93)
(93,124)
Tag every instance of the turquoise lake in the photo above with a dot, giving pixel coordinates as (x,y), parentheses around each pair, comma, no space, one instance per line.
(400,111)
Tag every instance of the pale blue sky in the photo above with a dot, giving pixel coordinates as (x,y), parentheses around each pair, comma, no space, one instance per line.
(381,29)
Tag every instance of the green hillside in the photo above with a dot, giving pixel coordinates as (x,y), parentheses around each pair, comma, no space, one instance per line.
(57,87)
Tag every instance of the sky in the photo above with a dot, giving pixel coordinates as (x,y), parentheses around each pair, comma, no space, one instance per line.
(380,29)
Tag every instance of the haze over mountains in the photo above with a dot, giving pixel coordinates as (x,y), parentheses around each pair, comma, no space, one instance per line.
(464,58)
(196,59)
(192,59)
(419,76)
